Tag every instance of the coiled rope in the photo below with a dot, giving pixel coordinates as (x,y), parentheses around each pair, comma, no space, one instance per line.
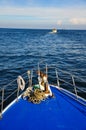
(35,96)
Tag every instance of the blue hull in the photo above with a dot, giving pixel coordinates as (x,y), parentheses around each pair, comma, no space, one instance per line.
(59,113)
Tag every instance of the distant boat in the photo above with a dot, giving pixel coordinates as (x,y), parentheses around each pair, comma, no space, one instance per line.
(54,31)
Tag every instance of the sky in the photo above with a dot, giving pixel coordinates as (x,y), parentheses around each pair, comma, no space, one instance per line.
(43,14)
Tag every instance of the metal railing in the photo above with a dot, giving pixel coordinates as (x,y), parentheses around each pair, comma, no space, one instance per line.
(72,84)
(5,98)
(52,72)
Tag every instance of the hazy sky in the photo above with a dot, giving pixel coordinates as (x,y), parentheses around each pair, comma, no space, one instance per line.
(65,14)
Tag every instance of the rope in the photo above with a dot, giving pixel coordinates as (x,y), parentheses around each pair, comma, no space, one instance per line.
(35,96)
(21,82)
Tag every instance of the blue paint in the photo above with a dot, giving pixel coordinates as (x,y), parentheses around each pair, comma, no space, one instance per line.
(59,113)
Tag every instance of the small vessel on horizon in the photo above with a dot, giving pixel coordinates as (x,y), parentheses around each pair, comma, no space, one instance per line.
(54,31)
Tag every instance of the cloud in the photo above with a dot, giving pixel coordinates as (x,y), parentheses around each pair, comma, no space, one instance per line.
(39,16)
(44,12)
(59,22)
(77,21)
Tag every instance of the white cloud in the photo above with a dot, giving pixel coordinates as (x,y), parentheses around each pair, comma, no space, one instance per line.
(49,12)
(43,16)
(77,21)
(59,22)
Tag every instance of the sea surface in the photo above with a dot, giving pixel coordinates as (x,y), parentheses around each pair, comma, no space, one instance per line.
(21,49)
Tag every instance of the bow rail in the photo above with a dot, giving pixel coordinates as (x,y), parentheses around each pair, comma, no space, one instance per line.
(56,77)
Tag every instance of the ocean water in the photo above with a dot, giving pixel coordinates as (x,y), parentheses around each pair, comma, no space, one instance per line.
(21,49)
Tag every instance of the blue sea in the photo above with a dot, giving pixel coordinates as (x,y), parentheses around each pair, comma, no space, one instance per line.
(21,49)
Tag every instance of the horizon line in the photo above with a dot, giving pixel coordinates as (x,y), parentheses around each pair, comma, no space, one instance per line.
(41,28)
